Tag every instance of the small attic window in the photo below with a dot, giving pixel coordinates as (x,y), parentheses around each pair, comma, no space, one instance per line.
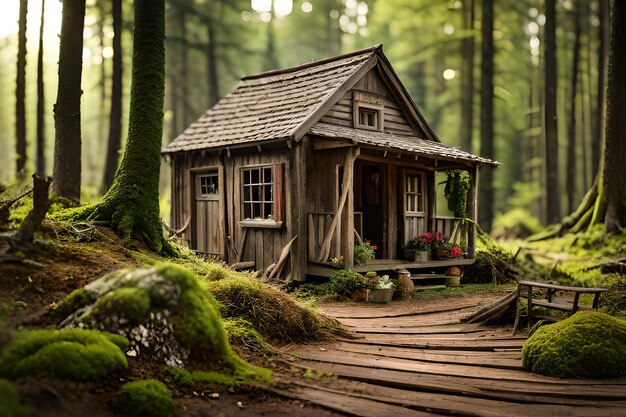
(369,117)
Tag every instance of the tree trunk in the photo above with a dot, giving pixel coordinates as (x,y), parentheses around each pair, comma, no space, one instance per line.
(20,92)
(41,203)
(115,117)
(184,67)
(486,195)
(271,61)
(613,177)
(67,148)
(571,128)
(131,205)
(603,41)
(41,140)
(553,194)
(467,80)
(211,64)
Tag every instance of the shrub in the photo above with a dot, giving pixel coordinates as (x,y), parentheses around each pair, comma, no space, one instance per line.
(586,345)
(149,398)
(74,354)
(346,282)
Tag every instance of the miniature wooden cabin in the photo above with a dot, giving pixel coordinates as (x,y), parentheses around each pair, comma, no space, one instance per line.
(326,153)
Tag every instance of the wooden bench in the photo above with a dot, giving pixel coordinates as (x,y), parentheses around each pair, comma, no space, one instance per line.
(549,302)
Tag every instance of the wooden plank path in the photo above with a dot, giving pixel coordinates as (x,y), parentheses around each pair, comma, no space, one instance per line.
(417,358)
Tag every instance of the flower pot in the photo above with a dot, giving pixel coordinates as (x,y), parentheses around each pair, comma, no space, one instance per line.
(453,281)
(409,254)
(380,295)
(421,256)
(440,254)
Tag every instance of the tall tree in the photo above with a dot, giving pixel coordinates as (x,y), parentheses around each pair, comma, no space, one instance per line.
(467,80)
(553,195)
(486,193)
(603,41)
(67,147)
(20,91)
(131,206)
(572,200)
(41,140)
(211,63)
(613,178)
(115,116)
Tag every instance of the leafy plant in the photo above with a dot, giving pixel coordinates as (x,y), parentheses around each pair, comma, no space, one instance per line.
(363,253)
(346,282)
(455,191)
(149,398)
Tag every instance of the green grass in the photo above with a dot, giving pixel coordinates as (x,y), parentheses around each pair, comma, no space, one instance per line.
(148,398)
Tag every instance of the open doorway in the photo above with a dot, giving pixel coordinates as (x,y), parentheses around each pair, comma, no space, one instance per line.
(372,197)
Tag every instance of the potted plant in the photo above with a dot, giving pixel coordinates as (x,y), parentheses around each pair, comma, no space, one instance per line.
(363,253)
(439,246)
(453,276)
(380,288)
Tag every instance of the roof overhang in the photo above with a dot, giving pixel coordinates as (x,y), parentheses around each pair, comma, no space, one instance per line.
(406,144)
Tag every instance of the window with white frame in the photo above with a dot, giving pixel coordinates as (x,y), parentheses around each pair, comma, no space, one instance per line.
(262,192)
(414,193)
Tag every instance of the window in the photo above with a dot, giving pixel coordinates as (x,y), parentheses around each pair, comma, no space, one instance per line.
(369,117)
(262,192)
(207,186)
(414,193)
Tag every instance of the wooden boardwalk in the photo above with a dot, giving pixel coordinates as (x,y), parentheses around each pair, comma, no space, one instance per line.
(415,358)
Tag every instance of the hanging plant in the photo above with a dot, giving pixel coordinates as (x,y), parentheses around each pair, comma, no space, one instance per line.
(457,186)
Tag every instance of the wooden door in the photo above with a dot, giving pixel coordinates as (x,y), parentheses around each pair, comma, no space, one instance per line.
(208,223)
(415,204)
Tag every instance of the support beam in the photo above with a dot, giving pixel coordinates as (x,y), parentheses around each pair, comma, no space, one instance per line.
(472,211)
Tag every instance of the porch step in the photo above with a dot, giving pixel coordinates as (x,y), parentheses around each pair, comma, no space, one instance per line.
(427,276)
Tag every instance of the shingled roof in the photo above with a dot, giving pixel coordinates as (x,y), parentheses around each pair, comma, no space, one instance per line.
(271,105)
(286,104)
(407,143)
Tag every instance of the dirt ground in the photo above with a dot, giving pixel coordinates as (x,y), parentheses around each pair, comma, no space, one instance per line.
(56,267)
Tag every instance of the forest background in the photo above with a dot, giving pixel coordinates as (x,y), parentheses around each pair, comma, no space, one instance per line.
(449,53)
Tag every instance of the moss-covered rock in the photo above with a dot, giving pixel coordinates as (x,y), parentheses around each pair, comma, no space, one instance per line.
(10,405)
(586,345)
(74,354)
(614,300)
(149,398)
(166,314)
(73,302)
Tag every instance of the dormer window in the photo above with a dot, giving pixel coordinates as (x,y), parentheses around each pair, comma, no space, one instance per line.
(368,117)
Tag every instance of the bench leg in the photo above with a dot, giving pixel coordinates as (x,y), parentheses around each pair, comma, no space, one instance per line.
(517,314)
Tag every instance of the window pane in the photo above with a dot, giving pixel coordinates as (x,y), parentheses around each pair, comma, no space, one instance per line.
(267,175)
(268,210)
(255,176)
(256,193)
(256,210)
(247,211)
(268,193)
(246,176)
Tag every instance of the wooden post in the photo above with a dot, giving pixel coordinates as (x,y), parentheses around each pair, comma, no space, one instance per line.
(472,210)
(348,172)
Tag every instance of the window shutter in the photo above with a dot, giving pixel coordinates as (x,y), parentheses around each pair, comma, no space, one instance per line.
(279,170)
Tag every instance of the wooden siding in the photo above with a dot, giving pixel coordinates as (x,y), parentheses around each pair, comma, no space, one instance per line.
(261,245)
(372,90)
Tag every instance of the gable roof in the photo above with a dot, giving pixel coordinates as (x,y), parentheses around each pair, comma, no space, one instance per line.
(272,105)
(286,104)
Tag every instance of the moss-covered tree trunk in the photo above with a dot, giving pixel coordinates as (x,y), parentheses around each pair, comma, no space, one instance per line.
(131,206)
(613,177)
(20,92)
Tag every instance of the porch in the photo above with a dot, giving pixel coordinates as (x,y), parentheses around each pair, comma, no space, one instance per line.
(388,265)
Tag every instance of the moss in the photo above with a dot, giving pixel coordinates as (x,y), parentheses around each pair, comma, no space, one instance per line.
(75,301)
(149,398)
(131,303)
(10,400)
(614,300)
(202,379)
(586,345)
(275,314)
(242,333)
(74,354)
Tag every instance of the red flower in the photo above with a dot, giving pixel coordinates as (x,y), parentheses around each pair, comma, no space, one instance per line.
(455,252)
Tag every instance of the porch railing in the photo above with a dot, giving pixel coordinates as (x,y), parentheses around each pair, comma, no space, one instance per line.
(455,229)
(318,224)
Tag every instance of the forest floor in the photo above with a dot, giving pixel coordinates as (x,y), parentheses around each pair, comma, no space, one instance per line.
(410,357)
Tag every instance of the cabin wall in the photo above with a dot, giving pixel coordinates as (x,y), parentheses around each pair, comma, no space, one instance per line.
(261,245)
(372,89)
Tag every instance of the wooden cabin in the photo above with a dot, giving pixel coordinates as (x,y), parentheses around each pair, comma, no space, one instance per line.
(329,153)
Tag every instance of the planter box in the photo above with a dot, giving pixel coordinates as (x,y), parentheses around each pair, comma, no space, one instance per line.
(380,295)
(414,256)
(453,281)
